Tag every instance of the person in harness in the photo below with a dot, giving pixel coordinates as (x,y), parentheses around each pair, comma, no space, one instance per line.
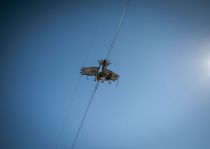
(101,73)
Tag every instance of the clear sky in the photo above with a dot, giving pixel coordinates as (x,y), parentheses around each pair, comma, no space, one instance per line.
(162,55)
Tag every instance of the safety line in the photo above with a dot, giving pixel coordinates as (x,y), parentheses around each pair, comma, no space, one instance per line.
(85,115)
(75,90)
(118,30)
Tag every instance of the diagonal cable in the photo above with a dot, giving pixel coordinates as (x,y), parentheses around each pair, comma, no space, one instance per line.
(75,90)
(97,84)
(84,116)
(117,30)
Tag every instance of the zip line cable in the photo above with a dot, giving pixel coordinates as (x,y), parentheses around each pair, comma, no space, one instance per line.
(68,111)
(118,30)
(85,115)
(75,89)
(97,84)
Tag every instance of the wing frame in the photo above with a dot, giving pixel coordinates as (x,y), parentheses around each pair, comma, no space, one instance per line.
(114,76)
(89,71)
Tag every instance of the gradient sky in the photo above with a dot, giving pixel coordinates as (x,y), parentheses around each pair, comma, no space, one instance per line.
(162,55)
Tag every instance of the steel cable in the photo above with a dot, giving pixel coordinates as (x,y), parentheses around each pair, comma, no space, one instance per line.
(97,84)
(117,30)
(75,89)
(84,116)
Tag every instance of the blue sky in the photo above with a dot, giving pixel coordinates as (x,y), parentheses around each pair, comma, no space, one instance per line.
(162,55)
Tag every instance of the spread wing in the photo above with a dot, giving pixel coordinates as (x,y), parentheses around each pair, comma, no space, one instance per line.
(113,75)
(89,71)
